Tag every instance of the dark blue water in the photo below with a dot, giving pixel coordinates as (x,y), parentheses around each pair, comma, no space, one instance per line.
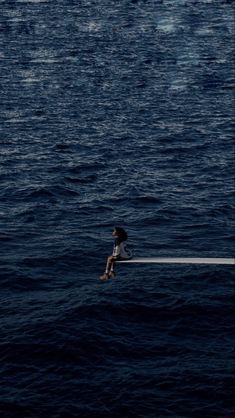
(116,113)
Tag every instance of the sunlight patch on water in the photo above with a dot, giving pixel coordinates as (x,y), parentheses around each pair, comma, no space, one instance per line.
(166,26)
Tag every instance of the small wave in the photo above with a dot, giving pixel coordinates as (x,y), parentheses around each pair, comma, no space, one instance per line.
(146,199)
(86,179)
(27,193)
(79,169)
(62,147)
(16,279)
(45,193)
(6,237)
(40,193)
(64,191)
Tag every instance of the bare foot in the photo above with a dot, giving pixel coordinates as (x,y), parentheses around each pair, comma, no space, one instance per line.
(112,274)
(105,276)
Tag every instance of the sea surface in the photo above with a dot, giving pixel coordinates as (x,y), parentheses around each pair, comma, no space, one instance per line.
(116,113)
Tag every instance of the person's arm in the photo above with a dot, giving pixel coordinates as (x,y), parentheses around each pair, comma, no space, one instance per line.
(116,250)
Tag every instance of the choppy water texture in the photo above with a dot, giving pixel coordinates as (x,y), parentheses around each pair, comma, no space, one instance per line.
(115,113)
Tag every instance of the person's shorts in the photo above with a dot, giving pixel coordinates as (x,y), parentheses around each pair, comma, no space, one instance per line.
(119,258)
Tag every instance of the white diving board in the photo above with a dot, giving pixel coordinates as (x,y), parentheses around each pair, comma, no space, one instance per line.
(180,260)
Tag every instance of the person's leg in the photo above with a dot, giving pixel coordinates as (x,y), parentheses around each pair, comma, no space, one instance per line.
(109,267)
(111,270)
(109,264)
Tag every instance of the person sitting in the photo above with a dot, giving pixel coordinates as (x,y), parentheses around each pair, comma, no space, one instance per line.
(120,252)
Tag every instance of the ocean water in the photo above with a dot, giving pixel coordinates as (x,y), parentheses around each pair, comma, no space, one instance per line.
(116,113)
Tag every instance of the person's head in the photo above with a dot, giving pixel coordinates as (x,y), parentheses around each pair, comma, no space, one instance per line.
(119,233)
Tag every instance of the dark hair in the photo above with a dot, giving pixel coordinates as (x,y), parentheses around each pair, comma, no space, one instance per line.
(122,235)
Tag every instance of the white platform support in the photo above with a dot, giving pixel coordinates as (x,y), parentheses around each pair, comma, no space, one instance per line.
(180,260)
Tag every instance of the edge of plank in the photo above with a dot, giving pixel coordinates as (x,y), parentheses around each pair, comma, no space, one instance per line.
(180,260)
